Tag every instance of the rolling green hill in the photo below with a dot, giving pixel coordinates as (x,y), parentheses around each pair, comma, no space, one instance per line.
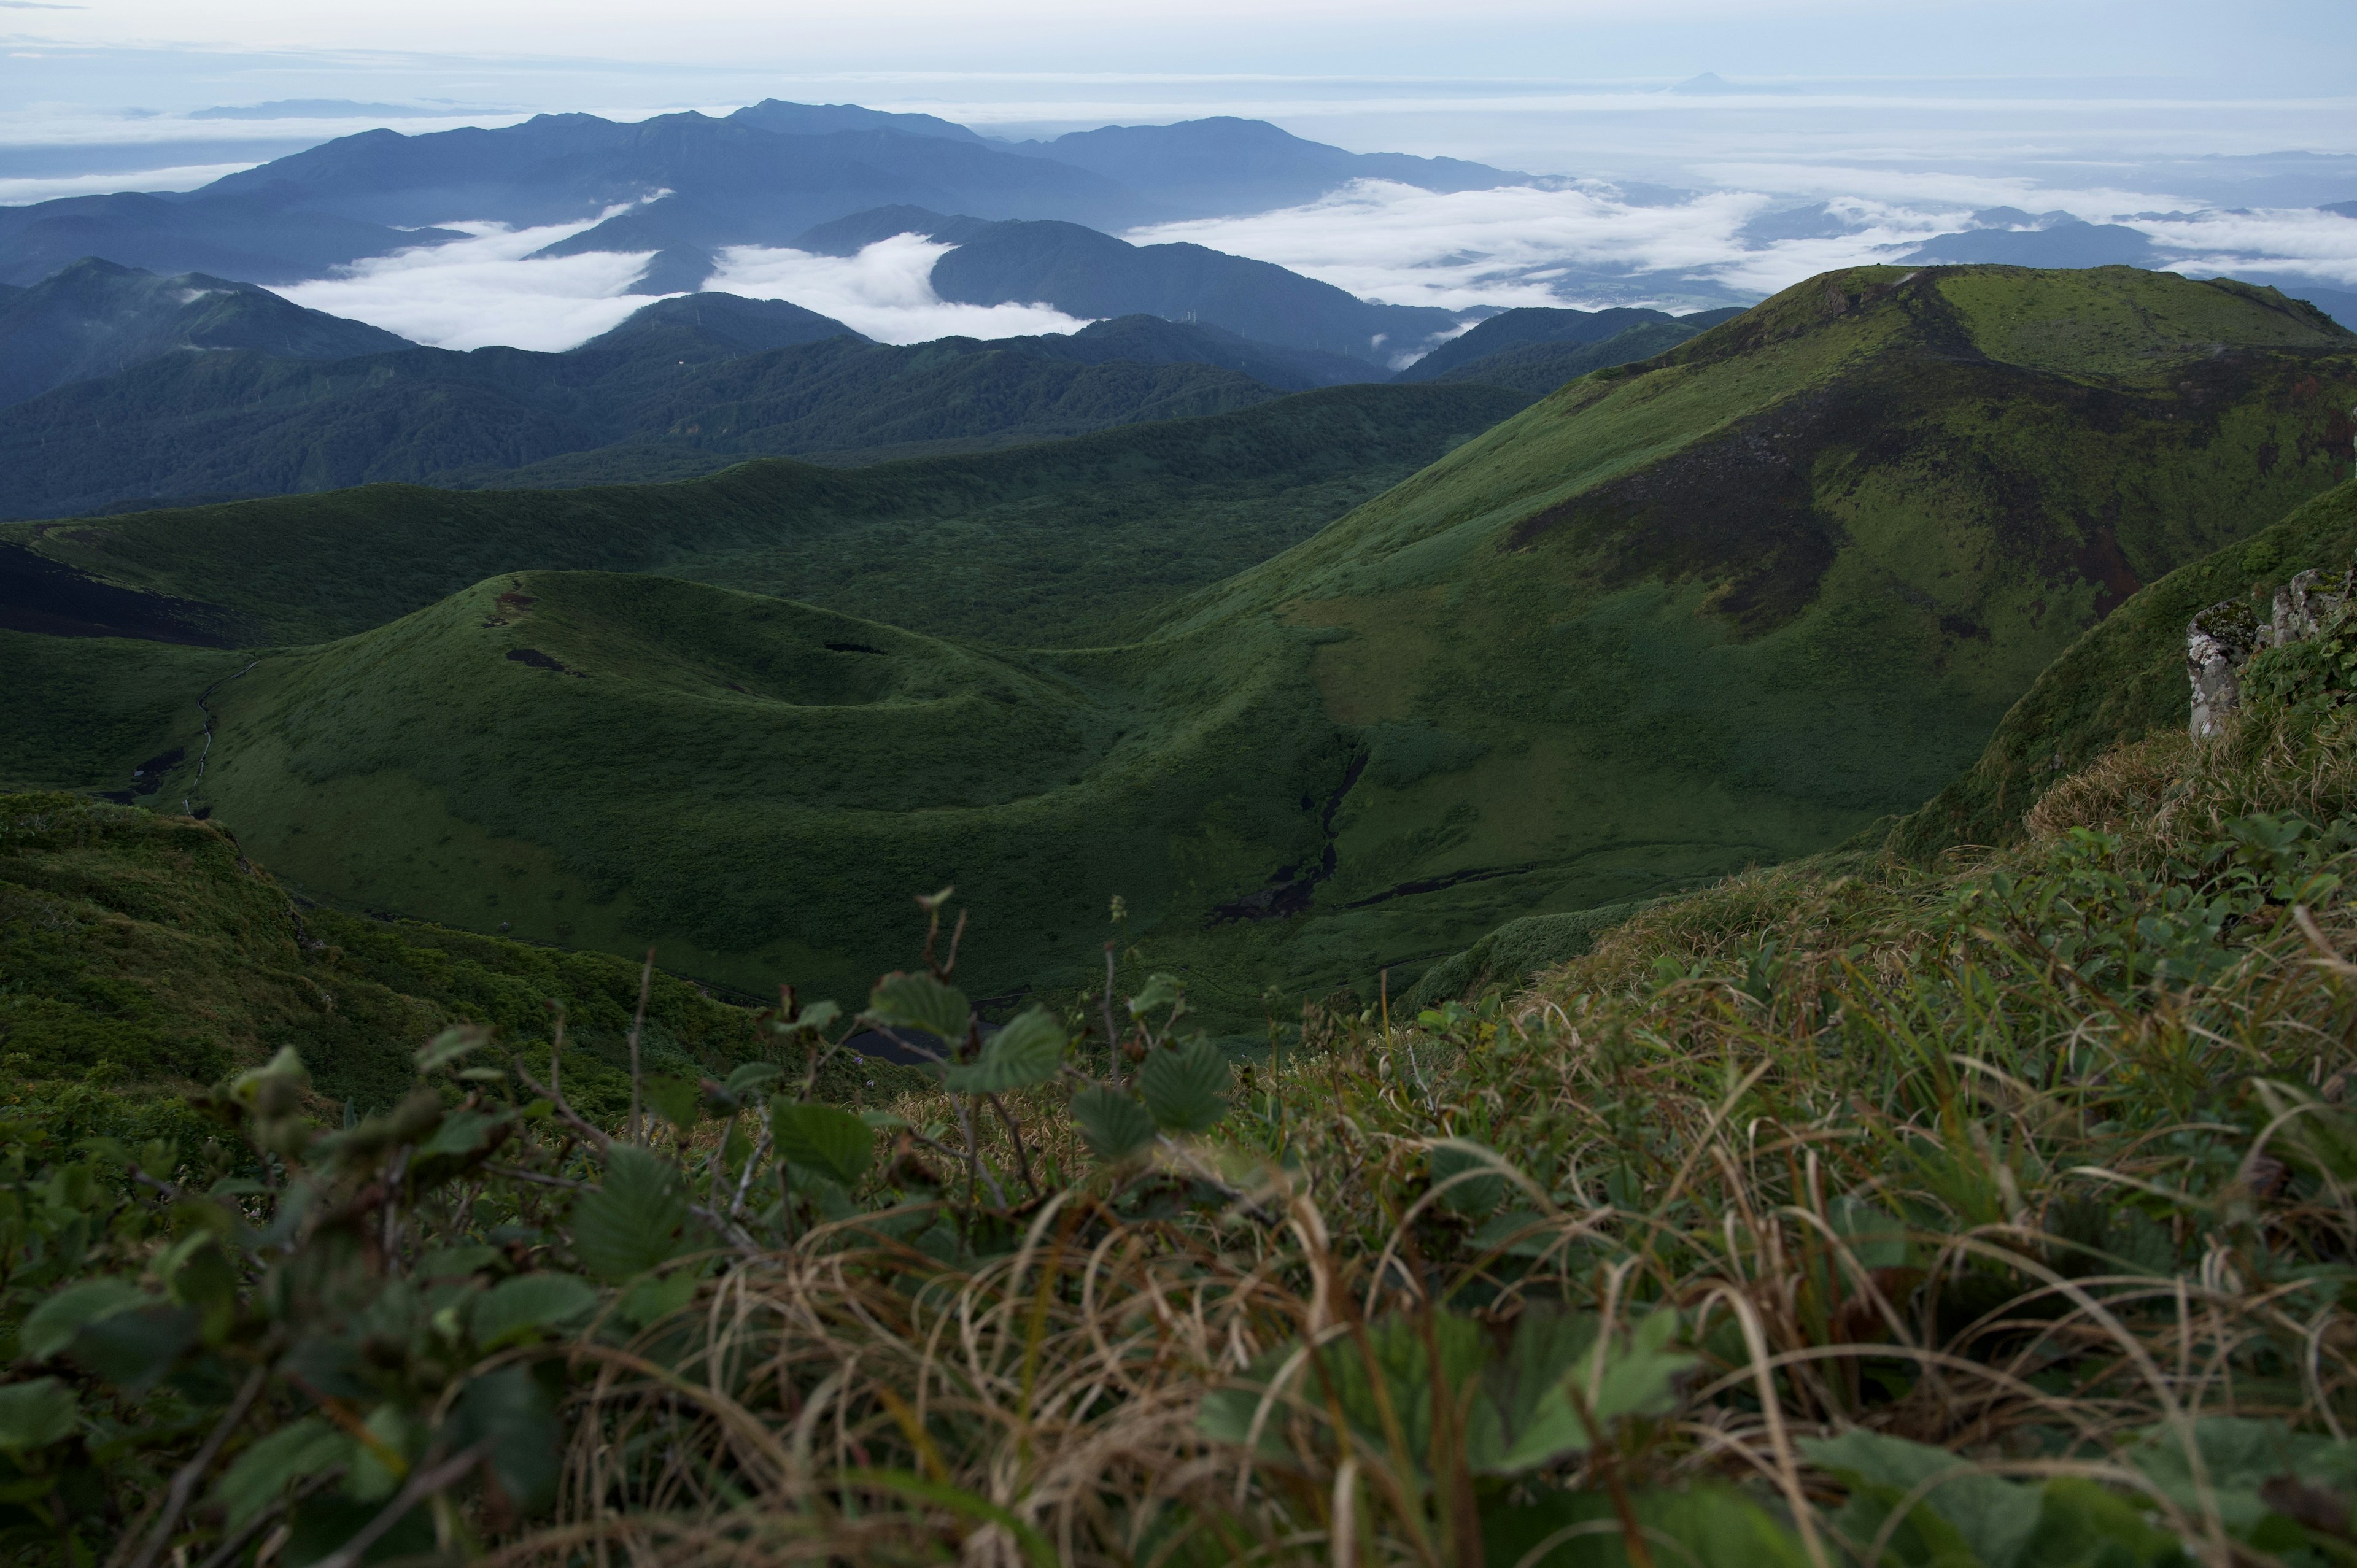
(149,950)
(1728,606)
(1057,542)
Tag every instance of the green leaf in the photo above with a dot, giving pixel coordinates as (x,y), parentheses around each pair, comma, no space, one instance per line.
(1462,1192)
(456,1262)
(461,1132)
(36,1414)
(451,1045)
(135,1348)
(1028,1050)
(1991,1518)
(1114,1125)
(920,1001)
(1519,1232)
(51,1326)
(2080,1523)
(2239,1456)
(1185,1087)
(654,1298)
(817,1015)
(1638,1377)
(678,1100)
(633,1222)
(264,1472)
(823,1138)
(1525,1418)
(751,1076)
(514,1309)
(1708,1526)
(1160,991)
(512,1408)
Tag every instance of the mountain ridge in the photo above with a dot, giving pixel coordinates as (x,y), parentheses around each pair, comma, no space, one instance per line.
(1723,607)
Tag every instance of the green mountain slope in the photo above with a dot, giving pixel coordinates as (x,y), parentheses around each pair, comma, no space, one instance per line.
(1057,542)
(1540,368)
(150,949)
(217,425)
(2126,678)
(1727,607)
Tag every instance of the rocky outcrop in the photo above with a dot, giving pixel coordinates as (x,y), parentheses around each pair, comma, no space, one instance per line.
(2221,639)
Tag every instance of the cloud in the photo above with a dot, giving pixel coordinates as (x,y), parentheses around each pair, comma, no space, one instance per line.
(886,290)
(2321,245)
(490,289)
(484,289)
(182,176)
(1520,245)
(1593,245)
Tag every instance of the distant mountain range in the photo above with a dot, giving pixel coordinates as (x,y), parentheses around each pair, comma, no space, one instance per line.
(1093,275)
(124,390)
(759,176)
(285,400)
(93,318)
(1535,349)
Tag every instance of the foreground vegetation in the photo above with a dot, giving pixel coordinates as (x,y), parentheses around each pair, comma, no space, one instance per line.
(1994,1210)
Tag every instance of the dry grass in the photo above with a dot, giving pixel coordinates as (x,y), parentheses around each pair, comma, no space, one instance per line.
(1903,1156)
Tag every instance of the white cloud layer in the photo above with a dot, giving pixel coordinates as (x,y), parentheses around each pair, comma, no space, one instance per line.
(886,292)
(1591,243)
(183,177)
(472,292)
(490,289)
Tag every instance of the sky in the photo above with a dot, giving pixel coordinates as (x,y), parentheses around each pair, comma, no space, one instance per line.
(2240,119)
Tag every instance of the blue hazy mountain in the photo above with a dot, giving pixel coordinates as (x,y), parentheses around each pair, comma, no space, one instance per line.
(1208,167)
(759,176)
(96,319)
(1085,272)
(255,236)
(2062,241)
(1535,349)
(684,386)
(1535,324)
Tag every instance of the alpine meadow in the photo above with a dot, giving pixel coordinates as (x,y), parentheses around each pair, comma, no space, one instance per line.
(981,862)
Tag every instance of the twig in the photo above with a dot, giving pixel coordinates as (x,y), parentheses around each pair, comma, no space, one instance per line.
(422,1485)
(752,1164)
(564,1112)
(184,1484)
(646,983)
(1113,1039)
(230,1549)
(556,1051)
(1022,1155)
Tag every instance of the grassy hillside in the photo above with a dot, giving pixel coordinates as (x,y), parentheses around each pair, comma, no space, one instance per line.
(2124,680)
(146,949)
(1052,543)
(1995,1214)
(1724,607)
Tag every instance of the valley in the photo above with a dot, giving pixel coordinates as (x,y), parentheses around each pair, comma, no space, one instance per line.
(741,831)
(1723,607)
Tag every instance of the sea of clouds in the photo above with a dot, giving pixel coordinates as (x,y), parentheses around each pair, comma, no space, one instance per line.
(1586,244)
